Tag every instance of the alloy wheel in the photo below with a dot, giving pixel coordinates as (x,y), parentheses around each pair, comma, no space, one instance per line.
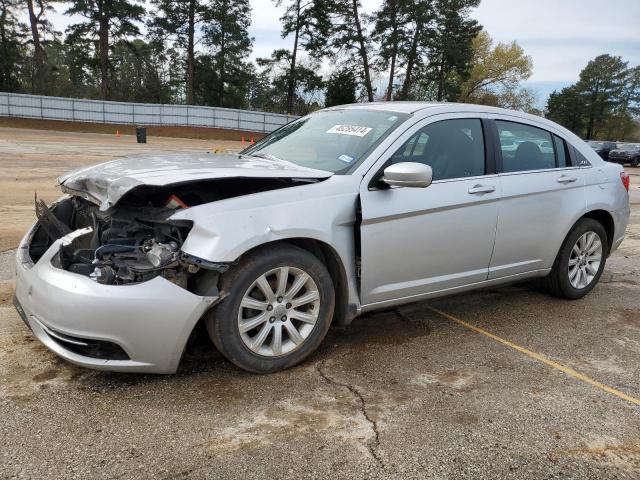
(584,261)
(278,311)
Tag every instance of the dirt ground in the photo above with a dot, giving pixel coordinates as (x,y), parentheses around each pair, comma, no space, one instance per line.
(501,383)
(31,160)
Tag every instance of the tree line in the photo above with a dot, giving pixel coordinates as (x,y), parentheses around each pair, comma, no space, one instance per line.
(604,104)
(197,52)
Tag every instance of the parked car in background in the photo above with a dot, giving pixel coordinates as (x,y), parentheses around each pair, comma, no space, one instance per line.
(603,148)
(626,153)
(345,211)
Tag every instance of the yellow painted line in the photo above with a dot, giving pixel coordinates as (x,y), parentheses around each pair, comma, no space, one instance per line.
(541,358)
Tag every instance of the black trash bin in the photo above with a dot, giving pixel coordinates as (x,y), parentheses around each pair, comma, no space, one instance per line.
(141,134)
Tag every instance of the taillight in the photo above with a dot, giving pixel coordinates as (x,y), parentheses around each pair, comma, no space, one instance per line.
(624,176)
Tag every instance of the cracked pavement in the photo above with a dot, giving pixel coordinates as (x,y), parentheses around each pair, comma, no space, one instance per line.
(402,393)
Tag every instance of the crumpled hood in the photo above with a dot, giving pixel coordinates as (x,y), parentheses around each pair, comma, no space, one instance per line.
(106,183)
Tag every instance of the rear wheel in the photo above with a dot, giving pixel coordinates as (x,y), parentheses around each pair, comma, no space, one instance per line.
(277,312)
(580,262)
(635,162)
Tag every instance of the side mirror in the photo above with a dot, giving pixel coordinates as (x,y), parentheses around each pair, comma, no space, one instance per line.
(408,174)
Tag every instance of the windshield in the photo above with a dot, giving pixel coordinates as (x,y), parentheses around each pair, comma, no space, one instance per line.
(332,140)
(595,144)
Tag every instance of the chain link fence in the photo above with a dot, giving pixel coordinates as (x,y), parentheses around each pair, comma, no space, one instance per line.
(144,114)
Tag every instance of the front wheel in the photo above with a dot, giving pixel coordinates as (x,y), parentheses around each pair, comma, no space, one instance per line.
(279,307)
(580,262)
(635,162)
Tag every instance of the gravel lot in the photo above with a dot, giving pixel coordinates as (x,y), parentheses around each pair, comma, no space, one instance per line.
(408,393)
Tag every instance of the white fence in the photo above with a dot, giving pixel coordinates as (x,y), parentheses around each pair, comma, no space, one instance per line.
(145,114)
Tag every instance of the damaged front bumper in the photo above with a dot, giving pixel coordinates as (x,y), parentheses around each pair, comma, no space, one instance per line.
(141,327)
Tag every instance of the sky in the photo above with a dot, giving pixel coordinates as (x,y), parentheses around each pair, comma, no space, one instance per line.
(561,36)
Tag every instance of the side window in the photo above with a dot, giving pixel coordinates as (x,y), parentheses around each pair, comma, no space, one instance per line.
(562,154)
(525,147)
(452,148)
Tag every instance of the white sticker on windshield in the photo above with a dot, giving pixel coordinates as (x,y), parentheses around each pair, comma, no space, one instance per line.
(345,158)
(354,130)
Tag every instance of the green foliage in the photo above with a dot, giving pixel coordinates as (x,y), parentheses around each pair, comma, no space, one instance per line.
(106,22)
(603,103)
(349,42)
(496,74)
(11,48)
(341,88)
(225,34)
(308,84)
(451,49)
(393,31)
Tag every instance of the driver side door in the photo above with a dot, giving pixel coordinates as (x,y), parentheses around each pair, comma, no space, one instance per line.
(418,241)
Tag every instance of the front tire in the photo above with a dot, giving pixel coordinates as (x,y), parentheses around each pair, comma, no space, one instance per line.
(580,261)
(279,307)
(635,162)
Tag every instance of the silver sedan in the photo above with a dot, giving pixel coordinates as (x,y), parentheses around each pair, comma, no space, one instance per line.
(345,211)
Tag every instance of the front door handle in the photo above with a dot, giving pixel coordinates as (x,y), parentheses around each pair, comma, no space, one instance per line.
(566,179)
(482,189)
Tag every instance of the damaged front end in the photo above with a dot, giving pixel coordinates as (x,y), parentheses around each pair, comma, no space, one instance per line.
(128,244)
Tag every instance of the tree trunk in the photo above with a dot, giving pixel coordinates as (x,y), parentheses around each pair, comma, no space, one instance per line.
(191,52)
(38,52)
(394,54)
(103,34)
(363,52)
(222,67)
(441,78)
(411,61)
(291,90)
(590,124)
(392,69)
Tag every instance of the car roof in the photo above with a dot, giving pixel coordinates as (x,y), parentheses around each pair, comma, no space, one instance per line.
(431,108)
(426,109)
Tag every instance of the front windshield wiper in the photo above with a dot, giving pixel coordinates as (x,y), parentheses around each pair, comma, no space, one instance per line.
(266,156)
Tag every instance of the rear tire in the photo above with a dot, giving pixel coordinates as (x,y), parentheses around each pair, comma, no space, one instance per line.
(635,162)
(278,309)
(580,261)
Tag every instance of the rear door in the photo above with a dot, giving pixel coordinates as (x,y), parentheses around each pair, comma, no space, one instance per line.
(542,194)
(416,241)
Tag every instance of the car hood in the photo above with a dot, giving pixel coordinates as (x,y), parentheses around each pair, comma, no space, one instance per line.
(105,184)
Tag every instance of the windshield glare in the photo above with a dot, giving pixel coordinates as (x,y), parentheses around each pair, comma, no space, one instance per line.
(332,140)
(629,148)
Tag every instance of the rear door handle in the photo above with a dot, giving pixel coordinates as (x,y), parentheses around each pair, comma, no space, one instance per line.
(566,179)
(482,189)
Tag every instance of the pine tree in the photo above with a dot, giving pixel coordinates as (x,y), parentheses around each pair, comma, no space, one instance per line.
(108,21)
(277,69)
(180,22)
(43,73)
(413,50)
(11,52)
(601,85)
(226,37)
(601,103)
(393,32)
(348,37)
(451,47)
(307,21)
(341,88)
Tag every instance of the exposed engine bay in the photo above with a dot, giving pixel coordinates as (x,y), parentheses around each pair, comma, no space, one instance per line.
(136,241)
(128,244)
